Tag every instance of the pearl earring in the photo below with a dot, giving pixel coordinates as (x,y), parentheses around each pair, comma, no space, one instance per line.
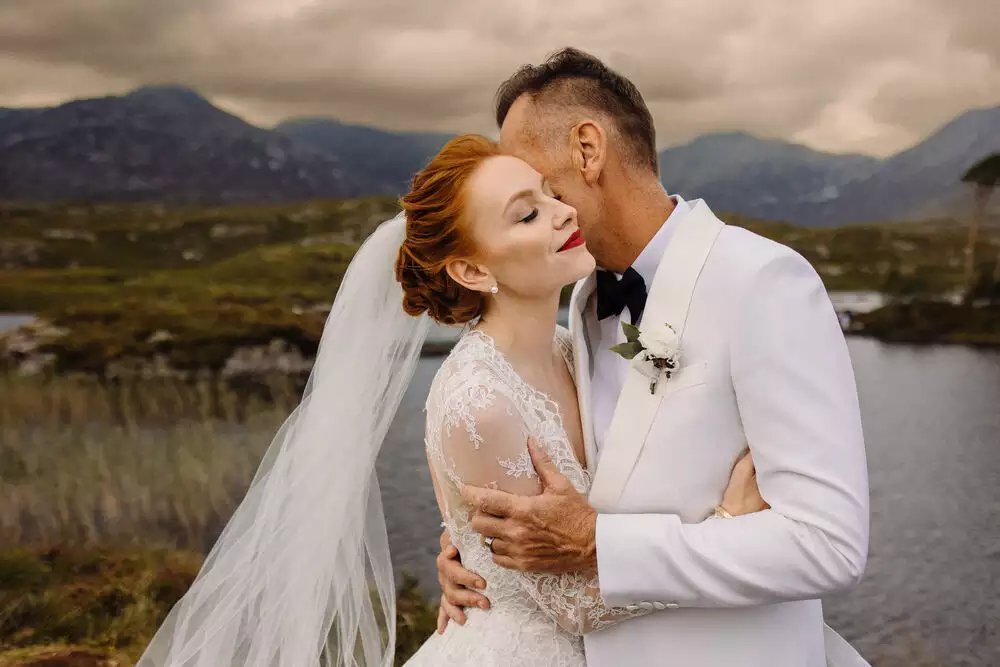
(494,289)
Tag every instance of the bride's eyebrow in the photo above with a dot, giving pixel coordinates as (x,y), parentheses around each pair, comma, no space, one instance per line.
(527,192)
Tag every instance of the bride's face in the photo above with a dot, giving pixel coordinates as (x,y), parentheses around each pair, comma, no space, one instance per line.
(528,241)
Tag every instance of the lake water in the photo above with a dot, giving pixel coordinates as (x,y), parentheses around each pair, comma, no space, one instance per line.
(10,321)
(931,595)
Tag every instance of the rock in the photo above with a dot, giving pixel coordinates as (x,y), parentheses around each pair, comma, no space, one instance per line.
(224,231)
(69,235)
(20,348)
(275,357)
(159,336)
(36,365)
(15,253)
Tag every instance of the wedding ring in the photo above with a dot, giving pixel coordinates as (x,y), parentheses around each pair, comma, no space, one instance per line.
(489,543)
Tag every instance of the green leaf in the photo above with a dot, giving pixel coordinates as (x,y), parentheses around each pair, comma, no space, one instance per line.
(631,332)
(627,350)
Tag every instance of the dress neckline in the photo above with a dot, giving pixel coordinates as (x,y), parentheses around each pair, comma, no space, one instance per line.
(541,395)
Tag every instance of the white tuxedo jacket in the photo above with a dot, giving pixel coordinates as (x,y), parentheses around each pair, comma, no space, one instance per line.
(763,363)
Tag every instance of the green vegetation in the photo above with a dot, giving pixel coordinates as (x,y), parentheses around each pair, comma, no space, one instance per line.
(932,322)
(984,178)
(191,285)
(71,607)
(147,471)
(86,607)
(133,482)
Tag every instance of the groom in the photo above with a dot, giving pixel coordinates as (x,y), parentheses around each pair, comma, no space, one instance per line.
(763,363)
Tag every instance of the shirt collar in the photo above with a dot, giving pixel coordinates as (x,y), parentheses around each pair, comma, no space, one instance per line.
(649,259)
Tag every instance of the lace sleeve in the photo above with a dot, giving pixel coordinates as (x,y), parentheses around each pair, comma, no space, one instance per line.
(486,445)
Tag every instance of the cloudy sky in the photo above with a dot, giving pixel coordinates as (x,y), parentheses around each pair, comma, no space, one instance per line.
(871,76)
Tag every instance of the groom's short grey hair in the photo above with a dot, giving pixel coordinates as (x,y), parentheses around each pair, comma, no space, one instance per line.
(570,78)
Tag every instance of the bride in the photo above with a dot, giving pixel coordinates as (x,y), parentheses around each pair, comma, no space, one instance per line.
(301,575)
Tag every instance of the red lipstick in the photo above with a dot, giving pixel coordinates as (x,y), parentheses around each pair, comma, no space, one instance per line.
(575,239)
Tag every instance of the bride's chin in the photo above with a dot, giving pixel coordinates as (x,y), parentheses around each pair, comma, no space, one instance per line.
(584,266)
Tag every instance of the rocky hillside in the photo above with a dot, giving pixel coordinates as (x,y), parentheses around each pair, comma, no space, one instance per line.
(164,144)
(169,144)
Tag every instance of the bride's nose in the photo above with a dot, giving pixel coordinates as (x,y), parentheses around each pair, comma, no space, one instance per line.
(565,216)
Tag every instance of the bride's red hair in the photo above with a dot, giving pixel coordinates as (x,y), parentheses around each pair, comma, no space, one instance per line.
(437,231)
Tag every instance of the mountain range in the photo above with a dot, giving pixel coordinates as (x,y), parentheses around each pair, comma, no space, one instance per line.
(170,144)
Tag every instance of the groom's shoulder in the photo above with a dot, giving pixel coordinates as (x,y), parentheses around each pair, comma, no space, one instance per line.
(743,253)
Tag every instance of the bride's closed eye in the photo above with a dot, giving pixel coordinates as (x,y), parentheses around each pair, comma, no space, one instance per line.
(531,216)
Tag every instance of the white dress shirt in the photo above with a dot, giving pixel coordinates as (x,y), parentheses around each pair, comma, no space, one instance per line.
(608,369)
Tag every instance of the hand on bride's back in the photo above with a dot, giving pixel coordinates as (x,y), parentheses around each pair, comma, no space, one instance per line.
(457,586)
(742,496)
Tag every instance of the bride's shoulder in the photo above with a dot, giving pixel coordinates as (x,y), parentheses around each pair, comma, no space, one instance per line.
(471,363)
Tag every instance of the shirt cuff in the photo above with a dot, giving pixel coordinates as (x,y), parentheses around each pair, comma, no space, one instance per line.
(623,556)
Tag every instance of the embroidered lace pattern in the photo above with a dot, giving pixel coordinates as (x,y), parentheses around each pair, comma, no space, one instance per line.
(480,413)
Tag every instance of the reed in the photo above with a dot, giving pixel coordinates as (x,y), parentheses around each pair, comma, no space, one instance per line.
(133,481)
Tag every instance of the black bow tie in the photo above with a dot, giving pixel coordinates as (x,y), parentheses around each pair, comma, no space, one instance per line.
(614,295)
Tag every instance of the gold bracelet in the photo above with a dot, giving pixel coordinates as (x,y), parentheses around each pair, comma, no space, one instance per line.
(721,513)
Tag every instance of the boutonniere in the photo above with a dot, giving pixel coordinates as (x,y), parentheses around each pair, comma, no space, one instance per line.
(655,352)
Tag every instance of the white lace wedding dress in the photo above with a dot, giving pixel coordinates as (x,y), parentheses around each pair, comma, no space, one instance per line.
(480,413)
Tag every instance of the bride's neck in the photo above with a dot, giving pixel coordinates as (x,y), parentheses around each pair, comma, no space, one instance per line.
(522,328)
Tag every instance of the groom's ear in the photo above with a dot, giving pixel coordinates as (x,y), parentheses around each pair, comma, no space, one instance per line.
(470,276)
(589,149)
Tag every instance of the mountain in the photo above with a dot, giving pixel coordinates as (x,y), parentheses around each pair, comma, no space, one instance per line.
(164,143)
(776,180)
(383,162)
(769,179)
(168,143)
(923,180)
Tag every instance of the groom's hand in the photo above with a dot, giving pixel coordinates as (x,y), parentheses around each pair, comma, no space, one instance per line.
(551,532)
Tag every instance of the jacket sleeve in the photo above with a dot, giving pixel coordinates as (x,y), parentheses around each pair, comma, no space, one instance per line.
(797,399)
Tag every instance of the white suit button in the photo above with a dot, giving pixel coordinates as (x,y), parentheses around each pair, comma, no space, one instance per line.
(659,606)
(632,607)
(647,606)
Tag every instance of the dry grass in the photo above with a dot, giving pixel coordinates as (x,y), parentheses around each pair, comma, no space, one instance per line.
(165,462)
(134,481)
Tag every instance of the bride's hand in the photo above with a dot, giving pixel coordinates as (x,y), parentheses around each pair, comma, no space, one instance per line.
(742,496)
(457,586)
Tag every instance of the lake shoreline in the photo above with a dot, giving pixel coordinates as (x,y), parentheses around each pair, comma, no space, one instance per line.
(164,462)
(287,344)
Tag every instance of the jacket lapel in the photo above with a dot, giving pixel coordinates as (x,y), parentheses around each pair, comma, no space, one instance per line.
(669,301)
(581,361)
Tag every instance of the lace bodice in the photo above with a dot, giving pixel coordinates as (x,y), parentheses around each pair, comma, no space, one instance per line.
(480,413)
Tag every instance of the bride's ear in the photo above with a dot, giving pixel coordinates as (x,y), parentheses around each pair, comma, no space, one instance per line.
(470,276)
(589,149)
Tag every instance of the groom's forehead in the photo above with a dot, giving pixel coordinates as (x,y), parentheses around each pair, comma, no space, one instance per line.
(518,134)
(516,124)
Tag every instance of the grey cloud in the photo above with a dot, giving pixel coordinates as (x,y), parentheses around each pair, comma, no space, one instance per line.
(852,75)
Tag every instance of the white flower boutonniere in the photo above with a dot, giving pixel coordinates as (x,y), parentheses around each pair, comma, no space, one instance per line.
(654,352)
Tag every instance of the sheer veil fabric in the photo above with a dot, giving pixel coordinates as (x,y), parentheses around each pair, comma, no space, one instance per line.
(301,576)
